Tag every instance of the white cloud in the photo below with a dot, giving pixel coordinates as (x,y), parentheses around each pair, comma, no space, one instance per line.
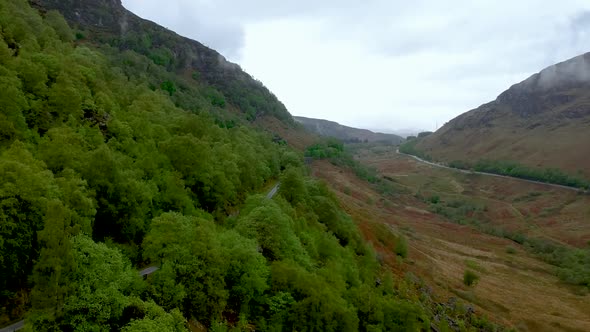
(383,64)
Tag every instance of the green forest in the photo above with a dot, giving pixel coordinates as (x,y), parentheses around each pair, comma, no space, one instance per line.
(111,162)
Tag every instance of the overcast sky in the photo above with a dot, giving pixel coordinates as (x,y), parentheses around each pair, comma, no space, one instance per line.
(382,64)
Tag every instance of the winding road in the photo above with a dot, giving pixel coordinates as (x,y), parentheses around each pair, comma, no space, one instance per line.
(488,174)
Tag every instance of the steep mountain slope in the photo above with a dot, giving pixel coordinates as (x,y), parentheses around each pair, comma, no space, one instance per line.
(542,122)
(347,134)
(107,22)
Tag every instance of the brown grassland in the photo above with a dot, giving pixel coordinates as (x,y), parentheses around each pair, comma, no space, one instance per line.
(542,147)
(515,288)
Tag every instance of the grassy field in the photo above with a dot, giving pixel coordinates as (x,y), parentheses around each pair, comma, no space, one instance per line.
(447,218)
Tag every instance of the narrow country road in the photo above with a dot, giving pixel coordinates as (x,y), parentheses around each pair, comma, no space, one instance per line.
(147,271)
(14,327)
(142,273)
(271,193)
(488,174)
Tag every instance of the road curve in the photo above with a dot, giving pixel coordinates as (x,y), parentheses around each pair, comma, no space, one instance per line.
(488,174)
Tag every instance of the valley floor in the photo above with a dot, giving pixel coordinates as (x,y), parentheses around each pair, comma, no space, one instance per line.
(447,216)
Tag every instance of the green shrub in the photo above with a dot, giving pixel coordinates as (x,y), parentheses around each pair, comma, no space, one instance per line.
(216,98)
(401,247)
(459,164)
(330,148)
(474,265)
(168,87)
(470,278)
(511,250)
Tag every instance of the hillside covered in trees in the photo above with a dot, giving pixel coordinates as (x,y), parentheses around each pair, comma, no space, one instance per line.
(109,161)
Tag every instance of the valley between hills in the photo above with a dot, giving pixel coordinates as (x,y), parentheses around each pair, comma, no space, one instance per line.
(125,147)
(456,221)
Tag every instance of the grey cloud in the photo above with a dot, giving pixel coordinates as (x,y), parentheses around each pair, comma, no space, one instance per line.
(581,22)
(580,29)
(220,24)
(226,39)
(391,28)
(473,47)
(575,70)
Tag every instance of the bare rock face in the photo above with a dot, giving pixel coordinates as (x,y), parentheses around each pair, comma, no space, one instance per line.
(107,21)
(101,14)
(548,89)
(561,88)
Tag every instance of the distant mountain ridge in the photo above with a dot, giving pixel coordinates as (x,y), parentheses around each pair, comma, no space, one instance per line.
(345,133)
(542,122)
